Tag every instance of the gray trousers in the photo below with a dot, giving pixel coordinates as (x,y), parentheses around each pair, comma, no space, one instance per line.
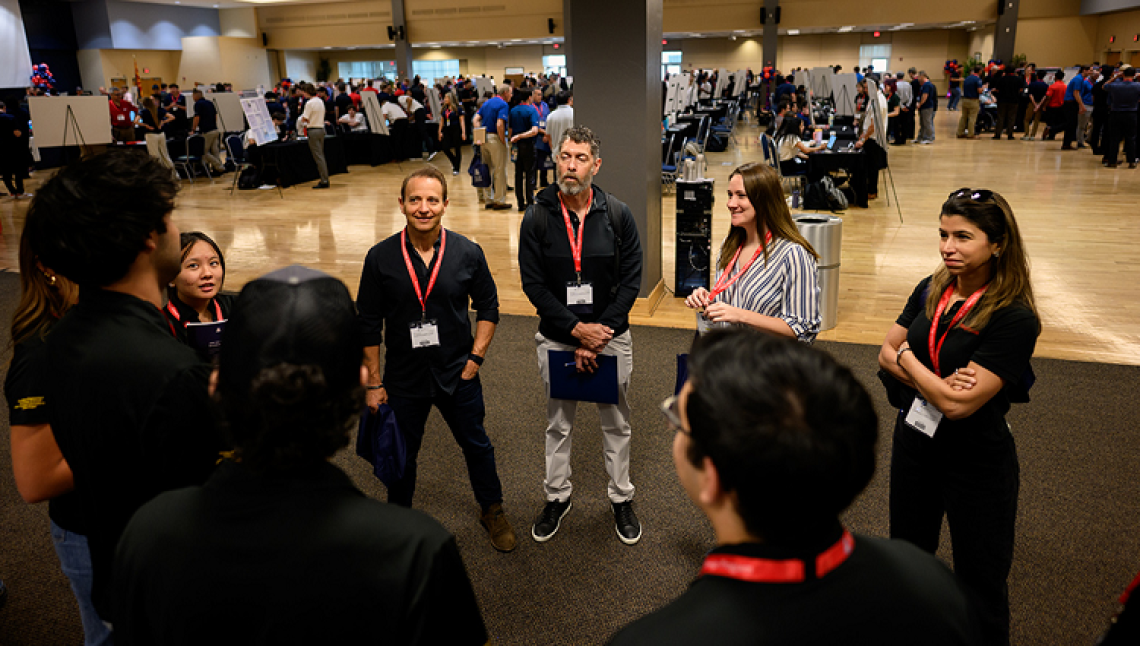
(317,148)
(926,125)
(616,431)
(1083,125)
(213,148)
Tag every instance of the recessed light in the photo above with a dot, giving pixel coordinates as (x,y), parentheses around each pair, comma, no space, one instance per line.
(846,29)
(793,32)
(903,25)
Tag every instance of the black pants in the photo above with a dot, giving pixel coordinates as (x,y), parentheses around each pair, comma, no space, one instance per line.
(540,157)
(423,142)
(14,181)
(976,490)
(400,132)
(1006,118)
(453,147)
(1099,136)
(524,173)
(1071,112)
(463,411)
(1121,127)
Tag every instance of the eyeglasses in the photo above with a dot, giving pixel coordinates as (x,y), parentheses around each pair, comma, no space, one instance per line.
(977,195)
(669,410)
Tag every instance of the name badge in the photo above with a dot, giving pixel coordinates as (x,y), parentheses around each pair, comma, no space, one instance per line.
(542,123)
(425,334)
(923,416)
(580,297)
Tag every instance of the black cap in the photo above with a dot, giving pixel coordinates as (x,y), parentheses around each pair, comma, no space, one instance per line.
(294,315)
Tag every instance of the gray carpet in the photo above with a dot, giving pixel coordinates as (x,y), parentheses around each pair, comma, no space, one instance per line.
(1078,528)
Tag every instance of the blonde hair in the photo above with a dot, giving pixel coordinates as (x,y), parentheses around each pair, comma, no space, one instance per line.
(762,185)
(44,297)
(1008,278)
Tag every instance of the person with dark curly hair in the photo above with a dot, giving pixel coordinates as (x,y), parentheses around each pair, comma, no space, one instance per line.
(279,546)
(127,402)
(773,440)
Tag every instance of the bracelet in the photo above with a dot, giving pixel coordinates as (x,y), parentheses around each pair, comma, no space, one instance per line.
(899,354)
(476,358)
(380,387)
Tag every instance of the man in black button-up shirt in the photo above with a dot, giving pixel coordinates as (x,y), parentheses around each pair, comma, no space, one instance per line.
(419,282)
(128,402)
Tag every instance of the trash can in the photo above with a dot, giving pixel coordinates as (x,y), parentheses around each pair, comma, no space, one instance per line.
(825,233)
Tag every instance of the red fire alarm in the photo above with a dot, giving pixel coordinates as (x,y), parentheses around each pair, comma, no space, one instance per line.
(1111,39)
(146,70)
(1135,37)
(557,46)
(664,42)
(877,34)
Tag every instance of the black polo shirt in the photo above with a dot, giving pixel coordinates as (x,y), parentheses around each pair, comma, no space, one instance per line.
(297,558)
(343,102)
(887,592)
(206,114)
(387,297)
(25,388)
(130,413)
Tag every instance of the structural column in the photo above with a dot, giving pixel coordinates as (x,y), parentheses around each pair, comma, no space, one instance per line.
(771,31)
(403,48)
(615,47)
(1005,33)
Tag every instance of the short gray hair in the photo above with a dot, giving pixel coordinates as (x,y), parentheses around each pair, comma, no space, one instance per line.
(582,135)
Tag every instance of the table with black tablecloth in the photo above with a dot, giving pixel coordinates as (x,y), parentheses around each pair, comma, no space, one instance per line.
(826,161)
(295,163)
(367,148)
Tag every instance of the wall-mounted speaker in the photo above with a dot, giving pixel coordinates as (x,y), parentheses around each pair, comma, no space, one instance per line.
(550,25)
(777,15)
(763,16)
(264,39)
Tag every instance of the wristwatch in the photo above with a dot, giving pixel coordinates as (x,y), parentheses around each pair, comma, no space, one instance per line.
(899,354)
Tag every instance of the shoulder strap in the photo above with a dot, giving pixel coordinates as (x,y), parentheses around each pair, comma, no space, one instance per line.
(611,211)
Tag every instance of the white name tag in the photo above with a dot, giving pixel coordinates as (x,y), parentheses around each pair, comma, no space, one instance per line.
(425,334)
(580,297)
(923,416)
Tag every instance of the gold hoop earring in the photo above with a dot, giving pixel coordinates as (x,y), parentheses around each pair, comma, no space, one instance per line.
(50,278)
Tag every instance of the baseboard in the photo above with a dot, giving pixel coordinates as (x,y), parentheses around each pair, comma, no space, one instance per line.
(648,305)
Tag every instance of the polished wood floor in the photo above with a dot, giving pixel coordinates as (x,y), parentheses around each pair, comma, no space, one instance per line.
(1080,222)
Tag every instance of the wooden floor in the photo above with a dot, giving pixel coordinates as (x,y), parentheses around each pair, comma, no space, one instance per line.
(1080,222)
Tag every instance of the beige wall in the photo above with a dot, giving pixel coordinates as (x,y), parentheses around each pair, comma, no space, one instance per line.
(210,59)
(90,69)
(452,20)
(712,15)
(301,65)
(120,63)
(832,13)
(319,25)
(981,41)
(1057,42)
(238,23)
(1124,25)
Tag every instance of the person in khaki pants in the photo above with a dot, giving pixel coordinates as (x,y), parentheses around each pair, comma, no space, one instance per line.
(495,115)
(970,107)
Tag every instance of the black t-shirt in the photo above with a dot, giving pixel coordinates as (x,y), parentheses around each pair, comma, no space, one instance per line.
(25,388)
(137,420)
(1004,347)
(148,119)
(206,114)
(297,558)
(344,102)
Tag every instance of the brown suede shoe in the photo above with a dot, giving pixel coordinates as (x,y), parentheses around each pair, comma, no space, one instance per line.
(495,521)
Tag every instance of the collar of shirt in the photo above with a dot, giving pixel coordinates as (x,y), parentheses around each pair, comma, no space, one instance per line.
(105,299)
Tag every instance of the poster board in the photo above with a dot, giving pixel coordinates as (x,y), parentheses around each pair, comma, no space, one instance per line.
(672,89)
(484,85)
(372,112)
(49,115)
(803,78)
(845,91)
(260,123)
(741,77)
(230,114)
(721,83)
(821,81)
(435,105)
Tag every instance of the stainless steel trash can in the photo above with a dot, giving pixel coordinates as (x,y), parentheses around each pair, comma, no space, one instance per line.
(825,233)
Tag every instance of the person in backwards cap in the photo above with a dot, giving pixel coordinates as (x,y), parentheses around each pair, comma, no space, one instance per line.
(278,546)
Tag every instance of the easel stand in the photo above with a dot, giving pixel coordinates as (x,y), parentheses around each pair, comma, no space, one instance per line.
(70,123)
(891,179)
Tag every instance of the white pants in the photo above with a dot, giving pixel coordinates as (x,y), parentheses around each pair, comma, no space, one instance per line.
(614,421)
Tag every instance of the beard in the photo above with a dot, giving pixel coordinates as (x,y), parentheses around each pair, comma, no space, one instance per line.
(577,187)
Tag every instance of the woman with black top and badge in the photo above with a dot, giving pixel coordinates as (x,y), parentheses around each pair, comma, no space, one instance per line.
(953,452)
(40,470)
(195,296)
(452,132)
(778,293)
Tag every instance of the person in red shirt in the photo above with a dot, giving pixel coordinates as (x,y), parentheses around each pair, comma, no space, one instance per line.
(1054,107)
(122,117)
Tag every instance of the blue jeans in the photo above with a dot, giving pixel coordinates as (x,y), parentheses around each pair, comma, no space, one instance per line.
(75,561)
(955,97)
(463,411)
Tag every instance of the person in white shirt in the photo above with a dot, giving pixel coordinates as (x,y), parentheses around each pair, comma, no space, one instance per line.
(418,116)
(312,123)
(354,120)
(559,121)
(397,126)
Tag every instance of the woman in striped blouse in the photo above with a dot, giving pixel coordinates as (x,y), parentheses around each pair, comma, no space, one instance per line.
(766,273)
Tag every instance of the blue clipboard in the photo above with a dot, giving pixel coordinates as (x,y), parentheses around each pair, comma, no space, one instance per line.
(600,386)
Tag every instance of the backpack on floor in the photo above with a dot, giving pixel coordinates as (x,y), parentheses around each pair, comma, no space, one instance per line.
(821,195)
(248,179)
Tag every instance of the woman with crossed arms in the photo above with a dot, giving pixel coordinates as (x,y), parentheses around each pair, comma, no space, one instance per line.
(953,453)
(766,273)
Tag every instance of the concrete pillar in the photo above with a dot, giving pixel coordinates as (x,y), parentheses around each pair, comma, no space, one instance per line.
(771,28)
(1005,32)
(403,55)
(616,46)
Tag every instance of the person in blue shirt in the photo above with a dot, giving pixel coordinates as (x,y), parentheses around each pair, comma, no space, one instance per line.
(787,87)
(971,88)
(206,123)
(927,102)
(1075,106)
(541,147)
(524,131)
(1086,98)
(494,116)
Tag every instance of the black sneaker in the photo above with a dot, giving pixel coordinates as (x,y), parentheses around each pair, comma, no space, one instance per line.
(626,523)
(547,523)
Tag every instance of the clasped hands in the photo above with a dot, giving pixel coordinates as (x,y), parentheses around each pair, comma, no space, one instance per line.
(594,337)
(715,312)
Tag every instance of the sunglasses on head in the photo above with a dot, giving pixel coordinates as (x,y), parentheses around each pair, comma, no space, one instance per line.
(975,194)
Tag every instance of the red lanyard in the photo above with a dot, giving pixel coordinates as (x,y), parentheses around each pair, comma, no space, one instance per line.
(423,296)
(1131,588)
(724,282)
(962,312)
(576,249)
(178,317)
(757,570)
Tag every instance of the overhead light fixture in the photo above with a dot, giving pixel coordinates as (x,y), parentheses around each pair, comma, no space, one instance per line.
(845,29)
(793,32)
(732,37)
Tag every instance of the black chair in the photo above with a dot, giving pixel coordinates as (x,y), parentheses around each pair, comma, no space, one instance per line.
(195,147)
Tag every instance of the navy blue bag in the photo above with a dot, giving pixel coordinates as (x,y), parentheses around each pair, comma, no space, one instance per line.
(380,442)
(480,173)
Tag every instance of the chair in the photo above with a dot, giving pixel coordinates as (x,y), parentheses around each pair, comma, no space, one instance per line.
(195,148)
(729,129)
(670,172)
(772,156)
(235,153)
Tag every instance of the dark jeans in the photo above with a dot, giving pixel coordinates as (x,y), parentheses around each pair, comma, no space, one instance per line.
(1071,112)
(1006,118)
(524,172)
(453,148)
(978,495)
(540,157)
(464,412)
(1121,127)
(14,181)
(1099,136)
